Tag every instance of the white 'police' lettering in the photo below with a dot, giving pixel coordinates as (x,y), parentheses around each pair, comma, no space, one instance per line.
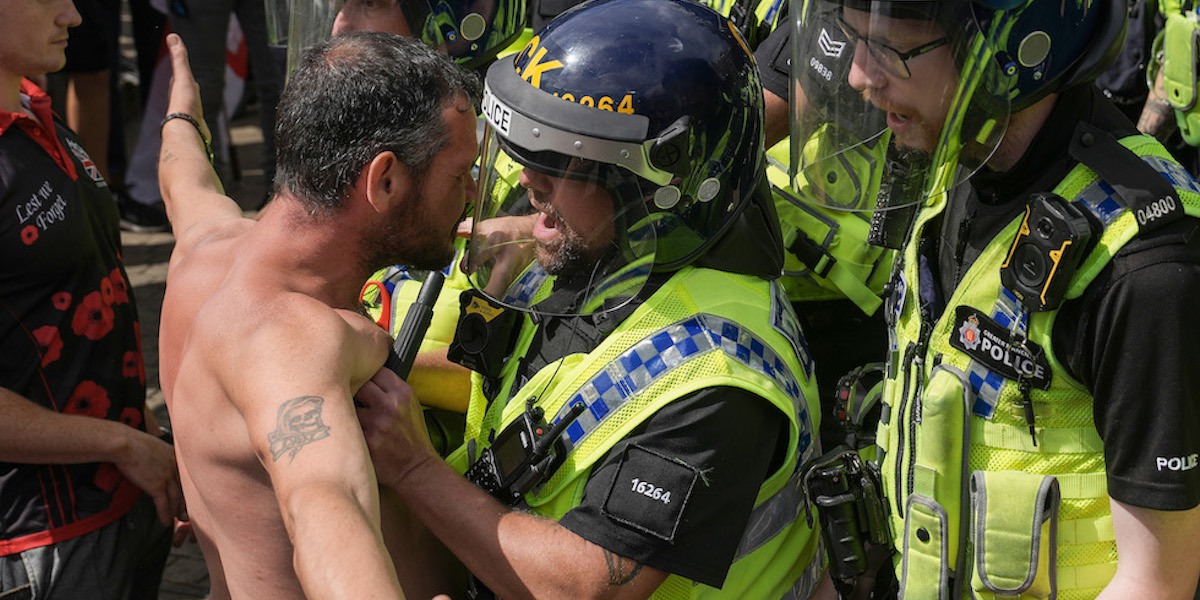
(499,115)
(1178,463)
(1009,356)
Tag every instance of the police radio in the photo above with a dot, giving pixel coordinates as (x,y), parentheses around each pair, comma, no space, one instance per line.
(1054,237)
(899,197)
(522,455)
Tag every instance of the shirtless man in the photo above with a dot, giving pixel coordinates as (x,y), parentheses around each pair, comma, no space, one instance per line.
(262,342)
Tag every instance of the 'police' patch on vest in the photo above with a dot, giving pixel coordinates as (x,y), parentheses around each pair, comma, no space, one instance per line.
(650,492)
(991,344)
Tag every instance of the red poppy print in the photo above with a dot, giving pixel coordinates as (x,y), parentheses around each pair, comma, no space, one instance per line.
(93,318)
(106,291)
(49,342)
(129,365)
(107,477)
(133,366)
(61,300)
(120,290)
(29,235)
(131,417)
(88,399)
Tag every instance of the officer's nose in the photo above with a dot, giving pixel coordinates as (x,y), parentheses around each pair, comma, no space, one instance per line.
(533,180)
(866,72)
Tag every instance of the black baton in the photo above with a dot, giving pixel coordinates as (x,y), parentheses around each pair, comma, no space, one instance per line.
(416,322)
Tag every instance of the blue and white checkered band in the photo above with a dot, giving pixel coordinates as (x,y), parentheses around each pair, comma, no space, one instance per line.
(395,274)
(773,11)
(1010,314)
(892,306)
(784,320)
(1103,201)
(898,297)
(522,291)
(1176,175)
(651,358)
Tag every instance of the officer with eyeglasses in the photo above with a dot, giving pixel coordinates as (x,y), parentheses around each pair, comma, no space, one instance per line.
(1042,393)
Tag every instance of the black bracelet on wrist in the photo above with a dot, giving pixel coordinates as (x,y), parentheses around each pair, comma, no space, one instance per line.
(195,123)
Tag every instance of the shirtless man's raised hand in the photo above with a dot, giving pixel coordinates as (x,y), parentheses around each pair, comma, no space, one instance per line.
(263,345)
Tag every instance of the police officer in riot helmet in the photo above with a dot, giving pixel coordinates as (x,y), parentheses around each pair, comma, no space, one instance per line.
(1038,385)
(641,402)
(470,31)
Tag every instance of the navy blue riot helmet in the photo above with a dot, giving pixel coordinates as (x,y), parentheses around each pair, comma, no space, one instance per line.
(1052,46)
(655,104)
(472,32)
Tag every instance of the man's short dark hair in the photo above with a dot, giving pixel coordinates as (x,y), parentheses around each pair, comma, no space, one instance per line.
(355,96)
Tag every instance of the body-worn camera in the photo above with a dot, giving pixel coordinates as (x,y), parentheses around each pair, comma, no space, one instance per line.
(485,335)
(846,491)
(1054,237)
(523,454)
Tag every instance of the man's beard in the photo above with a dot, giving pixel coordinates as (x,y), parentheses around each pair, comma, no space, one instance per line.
(408,238)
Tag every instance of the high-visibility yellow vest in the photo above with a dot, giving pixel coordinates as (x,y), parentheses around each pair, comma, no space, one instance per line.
(701,329)
(973,500)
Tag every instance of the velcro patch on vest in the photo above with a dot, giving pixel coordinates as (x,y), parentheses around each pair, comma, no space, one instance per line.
(650,492)
(986,341)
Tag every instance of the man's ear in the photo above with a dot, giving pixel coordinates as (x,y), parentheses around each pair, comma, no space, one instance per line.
(387,181)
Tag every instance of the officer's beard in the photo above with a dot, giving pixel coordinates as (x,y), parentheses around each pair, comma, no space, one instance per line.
(567,256)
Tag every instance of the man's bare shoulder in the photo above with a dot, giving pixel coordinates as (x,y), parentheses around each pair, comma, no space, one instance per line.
(208,233)
(254,334)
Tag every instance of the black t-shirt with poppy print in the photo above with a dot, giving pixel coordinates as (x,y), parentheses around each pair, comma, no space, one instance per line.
(69,335)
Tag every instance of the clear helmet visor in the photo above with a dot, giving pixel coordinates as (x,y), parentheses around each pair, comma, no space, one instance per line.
(299,25)
(469,31)
(547,222)
(306,23)
(892,101)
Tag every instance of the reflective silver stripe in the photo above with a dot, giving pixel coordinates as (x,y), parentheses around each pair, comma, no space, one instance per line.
(771,517)
(807,584)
